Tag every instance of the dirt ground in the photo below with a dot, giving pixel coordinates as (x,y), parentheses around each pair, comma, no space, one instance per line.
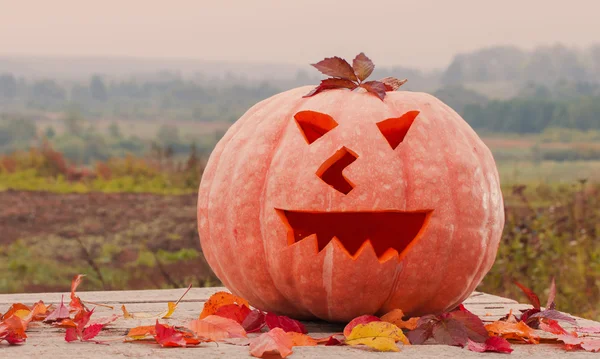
(122,241)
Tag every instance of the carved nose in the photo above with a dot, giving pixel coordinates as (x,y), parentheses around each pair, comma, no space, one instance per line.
(331,170)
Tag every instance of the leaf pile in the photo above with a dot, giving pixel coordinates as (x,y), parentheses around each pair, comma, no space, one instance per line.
(352,77)
(226,318)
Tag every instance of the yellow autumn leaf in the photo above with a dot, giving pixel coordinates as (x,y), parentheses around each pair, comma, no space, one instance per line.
(381,336)
(143,315)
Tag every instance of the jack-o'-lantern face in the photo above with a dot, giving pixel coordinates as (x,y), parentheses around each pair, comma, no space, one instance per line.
(390,232)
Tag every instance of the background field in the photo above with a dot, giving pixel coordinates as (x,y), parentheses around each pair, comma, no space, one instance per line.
(99,171)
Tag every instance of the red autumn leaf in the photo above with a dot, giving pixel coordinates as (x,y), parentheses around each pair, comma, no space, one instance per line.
(551,326)
(450,332)
(492,344)
(218,300)
(91,331)
(392,83)
(12,329)
(363,319)
(234,312)
(61,312)
(362,66)
(168,336)
(254,321)
(71,335)
(330,84)
(336,67)
(375,87)
(215,328)
(276,341)
(287,324)
(333,341)
(474,326)
(570,339)
(533,298)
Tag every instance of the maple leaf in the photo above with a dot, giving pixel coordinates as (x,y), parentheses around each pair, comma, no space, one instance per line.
(215,328)
(363,319)
(336,67)
(363,66)
(344,76)
(275,341)
(551,326)
(301,340)
(17,309)
(511,330)
(12,329)
(381,336)
(395,317)
(492,344)
(286,323)
(168,336)
(82,330)
(234,311)
(254,321)
(171,306)
(61,312)
(218,300)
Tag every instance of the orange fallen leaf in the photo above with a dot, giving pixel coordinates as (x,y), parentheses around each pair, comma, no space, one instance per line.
(220,299)
(513,330)
(18,309)
(76,304)
(215,328)
(141,333)
(301,340)
(276,341)
(395,317)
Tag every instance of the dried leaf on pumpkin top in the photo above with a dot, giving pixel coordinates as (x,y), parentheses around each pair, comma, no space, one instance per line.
(218,300)
(286,323)
(336,67)
(171,306)
(492,344)
(363,319)
(395,317)
(215,328)
(363,66)
(275,341)
(381,336)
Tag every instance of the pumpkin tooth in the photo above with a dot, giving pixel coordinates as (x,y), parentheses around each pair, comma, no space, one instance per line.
(367,246)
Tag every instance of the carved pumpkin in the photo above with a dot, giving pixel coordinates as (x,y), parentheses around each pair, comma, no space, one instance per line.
(342,204)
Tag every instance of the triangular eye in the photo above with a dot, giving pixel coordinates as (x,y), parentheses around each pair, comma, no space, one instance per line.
(394,129)
(313,124)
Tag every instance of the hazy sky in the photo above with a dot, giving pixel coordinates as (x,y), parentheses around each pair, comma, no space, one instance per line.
(422,33)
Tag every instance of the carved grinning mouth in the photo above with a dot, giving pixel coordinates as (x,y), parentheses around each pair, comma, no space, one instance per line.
(388,232)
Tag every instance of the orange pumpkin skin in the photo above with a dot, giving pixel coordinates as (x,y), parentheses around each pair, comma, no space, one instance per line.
(264,165)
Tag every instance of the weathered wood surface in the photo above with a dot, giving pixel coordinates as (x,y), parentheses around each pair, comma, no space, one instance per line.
(48,342)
